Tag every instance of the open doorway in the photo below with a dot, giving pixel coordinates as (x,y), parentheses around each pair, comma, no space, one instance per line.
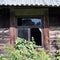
(30,27)
(36,33)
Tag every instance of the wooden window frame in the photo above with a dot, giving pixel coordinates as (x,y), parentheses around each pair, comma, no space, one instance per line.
(29,28)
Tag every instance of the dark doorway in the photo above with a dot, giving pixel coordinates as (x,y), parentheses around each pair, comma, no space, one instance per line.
(36,33)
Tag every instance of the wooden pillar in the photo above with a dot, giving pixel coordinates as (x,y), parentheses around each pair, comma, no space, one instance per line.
(12,29)
(46,32)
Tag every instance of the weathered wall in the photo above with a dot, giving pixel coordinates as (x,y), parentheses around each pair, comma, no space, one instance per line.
(34,12)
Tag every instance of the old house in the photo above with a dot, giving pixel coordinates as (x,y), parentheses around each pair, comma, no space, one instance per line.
(30,18)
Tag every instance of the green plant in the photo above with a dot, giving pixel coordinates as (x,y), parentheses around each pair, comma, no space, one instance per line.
(24,50)
(2,57)
(58,54)
(43,55)
(13,54)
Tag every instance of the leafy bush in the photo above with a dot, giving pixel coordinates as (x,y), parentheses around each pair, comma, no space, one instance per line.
(13,54)
(24,50)
(43,55)
(2,57)
(58,54)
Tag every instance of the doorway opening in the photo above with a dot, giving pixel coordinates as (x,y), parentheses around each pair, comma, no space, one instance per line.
(36,33)
(30,27)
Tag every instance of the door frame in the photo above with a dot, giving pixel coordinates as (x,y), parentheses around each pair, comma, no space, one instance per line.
(29,35)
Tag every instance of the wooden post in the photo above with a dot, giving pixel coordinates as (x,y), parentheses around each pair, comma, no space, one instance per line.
(46,32)
(12,29)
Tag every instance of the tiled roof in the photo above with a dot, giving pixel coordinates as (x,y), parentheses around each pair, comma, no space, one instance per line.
(30,2)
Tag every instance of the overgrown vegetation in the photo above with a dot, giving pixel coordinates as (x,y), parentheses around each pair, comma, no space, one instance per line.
(58,54)
(24,50)
(2,57)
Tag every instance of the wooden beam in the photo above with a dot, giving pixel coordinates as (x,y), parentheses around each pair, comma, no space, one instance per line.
(12,29)
(46,33)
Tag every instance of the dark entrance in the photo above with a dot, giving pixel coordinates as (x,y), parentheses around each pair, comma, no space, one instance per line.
(29,27)
(36,33)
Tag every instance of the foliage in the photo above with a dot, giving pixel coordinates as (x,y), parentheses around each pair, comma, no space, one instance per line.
(2,57)
(13,54)
(43,55)
(24,50)
(58,54)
